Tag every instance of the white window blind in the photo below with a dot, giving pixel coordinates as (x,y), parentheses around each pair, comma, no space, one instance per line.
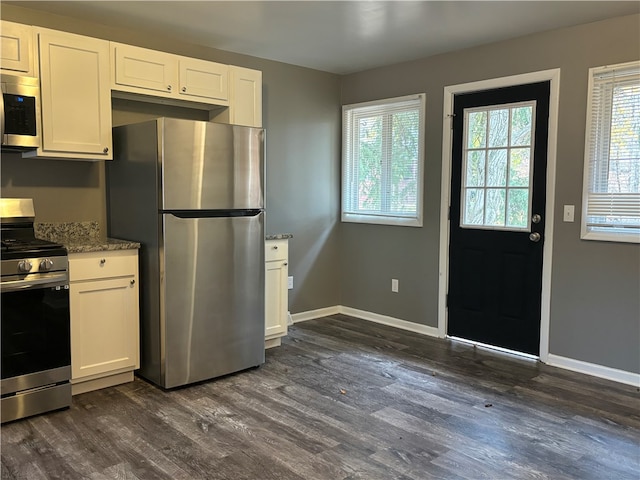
(382,171)
(611,209)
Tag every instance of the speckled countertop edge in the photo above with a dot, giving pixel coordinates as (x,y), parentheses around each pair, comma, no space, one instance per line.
(279,236)
(81,237)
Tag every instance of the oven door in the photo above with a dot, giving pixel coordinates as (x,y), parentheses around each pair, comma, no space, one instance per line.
(35,333)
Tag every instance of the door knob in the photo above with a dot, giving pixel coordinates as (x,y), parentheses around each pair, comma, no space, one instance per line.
(534,237)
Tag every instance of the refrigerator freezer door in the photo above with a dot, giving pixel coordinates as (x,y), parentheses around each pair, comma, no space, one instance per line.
(212,296)
(210,166)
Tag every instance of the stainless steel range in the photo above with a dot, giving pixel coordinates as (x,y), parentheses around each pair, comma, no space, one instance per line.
(35,323)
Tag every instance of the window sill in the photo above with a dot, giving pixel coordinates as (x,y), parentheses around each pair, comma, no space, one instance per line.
(381,220)
(611,237)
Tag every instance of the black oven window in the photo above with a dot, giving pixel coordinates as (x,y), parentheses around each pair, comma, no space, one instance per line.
(35,331)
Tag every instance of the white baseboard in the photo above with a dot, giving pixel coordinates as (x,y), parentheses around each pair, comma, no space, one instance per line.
(372,317)
(390,321)
(313,314)
(608,373)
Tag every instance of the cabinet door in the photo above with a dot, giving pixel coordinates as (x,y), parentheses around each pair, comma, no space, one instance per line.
(203,80)
(76,98)
(144,69)
(245,103)
(276,298)
(104,326)
(15,48)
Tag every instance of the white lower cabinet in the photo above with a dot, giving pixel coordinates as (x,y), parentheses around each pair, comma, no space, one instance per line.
(276,293)
(104,318)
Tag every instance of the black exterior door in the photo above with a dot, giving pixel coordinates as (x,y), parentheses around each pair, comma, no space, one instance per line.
(497,224)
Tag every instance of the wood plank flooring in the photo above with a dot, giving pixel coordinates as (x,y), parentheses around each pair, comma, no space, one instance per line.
(342,399)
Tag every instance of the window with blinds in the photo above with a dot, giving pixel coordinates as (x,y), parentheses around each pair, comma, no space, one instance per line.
(382,161)
(611,203)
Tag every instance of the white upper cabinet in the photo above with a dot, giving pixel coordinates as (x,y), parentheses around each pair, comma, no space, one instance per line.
(79,75)
(75,96)
(159,75)
(16,49)
(142,70)
(203,79)
(245,102)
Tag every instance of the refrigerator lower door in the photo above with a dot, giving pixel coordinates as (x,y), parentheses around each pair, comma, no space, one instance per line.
(212,297)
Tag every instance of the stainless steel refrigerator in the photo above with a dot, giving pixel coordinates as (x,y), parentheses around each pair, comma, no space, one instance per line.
(192,194)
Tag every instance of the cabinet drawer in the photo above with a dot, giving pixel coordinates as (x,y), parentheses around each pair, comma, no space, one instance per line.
(276,250)
(95,265)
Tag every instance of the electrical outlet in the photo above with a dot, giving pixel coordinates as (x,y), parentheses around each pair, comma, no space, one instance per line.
(290,283)
(394,285)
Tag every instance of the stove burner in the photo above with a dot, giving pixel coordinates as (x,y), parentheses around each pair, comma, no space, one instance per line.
(16,244)
(21,253)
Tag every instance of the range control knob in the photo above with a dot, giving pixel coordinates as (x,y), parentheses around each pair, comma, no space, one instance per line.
(25,266)
(46,264)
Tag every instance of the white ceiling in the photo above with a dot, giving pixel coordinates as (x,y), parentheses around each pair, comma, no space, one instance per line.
(339,36)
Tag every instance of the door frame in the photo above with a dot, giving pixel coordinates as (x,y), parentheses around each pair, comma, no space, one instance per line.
(553,76)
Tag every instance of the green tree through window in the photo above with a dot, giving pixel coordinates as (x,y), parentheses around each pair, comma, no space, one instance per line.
(383,146)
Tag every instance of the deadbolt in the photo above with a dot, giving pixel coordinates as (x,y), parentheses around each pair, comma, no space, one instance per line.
(536,218)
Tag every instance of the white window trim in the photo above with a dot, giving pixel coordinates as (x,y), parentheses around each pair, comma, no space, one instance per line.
(585,233)
(415,220)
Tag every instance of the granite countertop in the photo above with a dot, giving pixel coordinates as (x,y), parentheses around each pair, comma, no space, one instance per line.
(81,237)
(279,236)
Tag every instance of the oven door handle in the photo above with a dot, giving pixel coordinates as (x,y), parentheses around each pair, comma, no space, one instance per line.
(47,280)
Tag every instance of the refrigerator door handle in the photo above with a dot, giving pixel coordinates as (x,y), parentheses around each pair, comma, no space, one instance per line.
(250,212)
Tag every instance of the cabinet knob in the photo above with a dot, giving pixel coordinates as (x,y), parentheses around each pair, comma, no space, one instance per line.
(106,150)
(285,264)
(103,261)
(132,282)
(169,87)
(275,247)
(184,89)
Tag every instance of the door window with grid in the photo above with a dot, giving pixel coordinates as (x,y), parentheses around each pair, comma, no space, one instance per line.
(497,166)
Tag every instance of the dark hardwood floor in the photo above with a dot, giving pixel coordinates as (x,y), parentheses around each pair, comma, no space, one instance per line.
(343,398)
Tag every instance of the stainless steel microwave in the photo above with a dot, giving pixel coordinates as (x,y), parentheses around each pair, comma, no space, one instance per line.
(20,114)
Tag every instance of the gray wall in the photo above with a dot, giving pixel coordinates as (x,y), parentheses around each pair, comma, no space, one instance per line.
(595,298)
(352,265)
(301,114)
